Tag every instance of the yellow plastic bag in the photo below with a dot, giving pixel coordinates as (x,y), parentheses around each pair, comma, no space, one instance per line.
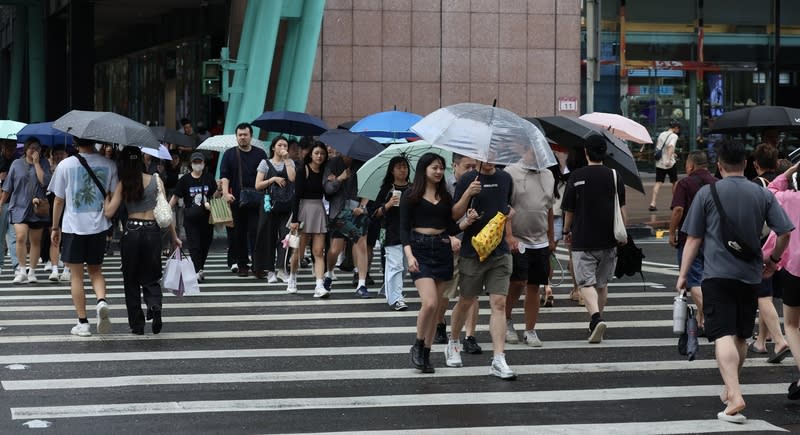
(490,236)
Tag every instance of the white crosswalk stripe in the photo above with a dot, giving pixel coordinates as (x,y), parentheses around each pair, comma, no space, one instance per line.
(245,357)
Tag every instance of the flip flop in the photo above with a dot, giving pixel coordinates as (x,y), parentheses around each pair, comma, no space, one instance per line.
(752,348)
(780,356)
(737,418)
(549,301)
(794,391)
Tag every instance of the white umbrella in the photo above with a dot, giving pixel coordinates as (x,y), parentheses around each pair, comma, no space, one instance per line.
(222,142)
(487,134)
(161,153)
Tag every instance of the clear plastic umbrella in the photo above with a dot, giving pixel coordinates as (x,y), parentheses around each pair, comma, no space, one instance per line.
(222,142)
(487,134)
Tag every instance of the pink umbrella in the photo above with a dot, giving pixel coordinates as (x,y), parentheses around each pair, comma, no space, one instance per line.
(619,126)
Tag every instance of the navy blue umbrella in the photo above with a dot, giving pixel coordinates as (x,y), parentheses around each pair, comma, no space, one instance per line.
(356,146)
(47,135)
(295,123)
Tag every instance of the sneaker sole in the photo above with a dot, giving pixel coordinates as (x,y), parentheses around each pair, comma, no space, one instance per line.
(597,334)
(104,322)
(510,340)
(454,363)
(83,334)
(291,291)
(499,375)
(320,295)
(539,344)
(53,279)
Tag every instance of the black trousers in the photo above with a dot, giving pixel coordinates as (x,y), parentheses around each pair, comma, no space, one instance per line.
(199,235)
(141,268)
(271,231)
(245,222)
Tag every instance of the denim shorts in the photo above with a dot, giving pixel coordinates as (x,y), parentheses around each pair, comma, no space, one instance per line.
(434,256)
(695,276)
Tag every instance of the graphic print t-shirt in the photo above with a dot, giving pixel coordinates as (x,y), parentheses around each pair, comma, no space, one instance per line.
(83,202)
(195,192)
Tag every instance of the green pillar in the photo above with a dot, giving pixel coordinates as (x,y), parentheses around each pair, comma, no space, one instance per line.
(36,62)
(17,58)
(305,52)
(287,65)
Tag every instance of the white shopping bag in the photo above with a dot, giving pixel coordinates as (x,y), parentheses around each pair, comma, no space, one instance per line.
(189,283)
(172,274)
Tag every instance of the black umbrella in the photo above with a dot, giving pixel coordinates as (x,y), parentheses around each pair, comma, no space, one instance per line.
(346,125)
(573,132)
(354,145)
(296,123)
(168,135)
(757,118)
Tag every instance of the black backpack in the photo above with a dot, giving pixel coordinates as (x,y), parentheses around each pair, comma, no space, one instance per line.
(629,260)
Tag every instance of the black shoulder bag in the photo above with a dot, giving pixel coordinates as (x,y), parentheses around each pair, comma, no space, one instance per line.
(249,197)
(91,174)
(733,244)
(281,197)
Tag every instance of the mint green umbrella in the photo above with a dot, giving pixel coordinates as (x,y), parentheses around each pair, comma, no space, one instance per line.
(9,129)
(371,174)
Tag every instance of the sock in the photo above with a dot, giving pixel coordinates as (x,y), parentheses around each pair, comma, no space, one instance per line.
(420,342)
(293,277)
(55,268)
(319,283)
(499,356)
(362,283)
(82,320)
(101,300)
(596,317)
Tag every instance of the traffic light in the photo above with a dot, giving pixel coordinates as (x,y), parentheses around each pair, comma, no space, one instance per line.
(212,78)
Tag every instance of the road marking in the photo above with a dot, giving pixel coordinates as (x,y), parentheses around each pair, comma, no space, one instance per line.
(384,401)
(346,375)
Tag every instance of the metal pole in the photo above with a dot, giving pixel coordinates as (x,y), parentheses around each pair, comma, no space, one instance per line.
(591,53)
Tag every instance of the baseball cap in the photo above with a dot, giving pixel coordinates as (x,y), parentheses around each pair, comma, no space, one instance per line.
(198,156)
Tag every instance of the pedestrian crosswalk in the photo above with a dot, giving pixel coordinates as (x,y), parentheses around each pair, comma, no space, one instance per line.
(245,357)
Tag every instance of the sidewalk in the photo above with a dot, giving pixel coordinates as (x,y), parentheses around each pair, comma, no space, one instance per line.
(637,204)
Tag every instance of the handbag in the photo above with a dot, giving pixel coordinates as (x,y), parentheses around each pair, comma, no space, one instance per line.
(350,225)
(162,211)
(620,233)
(220,212)
(738,248)
(282,198)
(490,236)
(41,210)
(249,197)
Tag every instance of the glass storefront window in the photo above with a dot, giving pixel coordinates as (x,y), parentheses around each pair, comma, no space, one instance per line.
(657,96)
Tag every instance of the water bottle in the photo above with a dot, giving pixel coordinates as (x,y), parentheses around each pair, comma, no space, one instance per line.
(679,314)
(267,204)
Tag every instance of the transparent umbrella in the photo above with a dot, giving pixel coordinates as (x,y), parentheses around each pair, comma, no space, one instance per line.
(487,134)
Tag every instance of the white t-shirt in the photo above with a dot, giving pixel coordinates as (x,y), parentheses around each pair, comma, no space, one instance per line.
(666,141)
(83,202)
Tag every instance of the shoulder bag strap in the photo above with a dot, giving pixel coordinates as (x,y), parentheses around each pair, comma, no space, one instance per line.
(91,174)
(239,170)
(722,216)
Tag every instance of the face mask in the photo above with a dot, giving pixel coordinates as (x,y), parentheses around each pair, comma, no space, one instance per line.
(198,167)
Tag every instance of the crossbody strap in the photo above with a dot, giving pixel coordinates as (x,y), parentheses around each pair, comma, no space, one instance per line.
(91,174)
(239,170)
(728,232)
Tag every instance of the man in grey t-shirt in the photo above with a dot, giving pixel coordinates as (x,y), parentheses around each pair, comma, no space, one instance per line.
(730,284)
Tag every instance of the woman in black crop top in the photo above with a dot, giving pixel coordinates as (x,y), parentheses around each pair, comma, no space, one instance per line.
(426,226)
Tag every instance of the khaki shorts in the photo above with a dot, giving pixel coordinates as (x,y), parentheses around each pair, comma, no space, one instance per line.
(493,275)
(451,287)
(594,268)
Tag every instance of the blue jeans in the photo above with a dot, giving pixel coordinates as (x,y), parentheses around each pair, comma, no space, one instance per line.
(8,239)
(393,273)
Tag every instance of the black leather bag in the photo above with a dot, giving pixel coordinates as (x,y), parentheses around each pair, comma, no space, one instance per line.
(736,246)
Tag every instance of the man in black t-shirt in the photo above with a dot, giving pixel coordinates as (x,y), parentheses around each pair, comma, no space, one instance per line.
(589,227)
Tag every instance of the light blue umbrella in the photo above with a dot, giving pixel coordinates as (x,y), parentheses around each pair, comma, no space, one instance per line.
(393,124)
(371,173)
(9,129)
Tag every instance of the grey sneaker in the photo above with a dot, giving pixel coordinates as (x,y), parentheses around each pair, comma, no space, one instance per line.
(103,319)
(501,369)
(511,333)
(452,354)
(531,339)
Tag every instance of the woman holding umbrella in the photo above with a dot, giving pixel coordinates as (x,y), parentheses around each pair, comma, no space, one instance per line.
(25,185)
(425,224)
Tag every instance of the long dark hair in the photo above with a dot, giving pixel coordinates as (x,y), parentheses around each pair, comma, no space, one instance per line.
(388,179)
(417,189)
(131,167)
(317,144)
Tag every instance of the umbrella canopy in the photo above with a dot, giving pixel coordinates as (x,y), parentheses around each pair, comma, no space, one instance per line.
(488,134)
(757,118)
(371,173)
(106,127)
(222,142)
(353,145)
(9,128)
(573,132)
(393,124)
(46,134)
(296,123)
(619,126)
(346,125)
(168,135)
(161,153)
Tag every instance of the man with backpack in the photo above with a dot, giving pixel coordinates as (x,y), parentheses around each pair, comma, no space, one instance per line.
(682,197)
(665,159)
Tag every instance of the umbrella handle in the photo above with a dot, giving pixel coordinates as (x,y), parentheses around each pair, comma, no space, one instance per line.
(472,200)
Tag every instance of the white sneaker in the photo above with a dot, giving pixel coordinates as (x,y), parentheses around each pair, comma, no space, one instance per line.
(32,276)
(81,330)
(291,287)
(452,354)
(500,368)
(66,276)
(272,278)
(47,266)
(283,276)
(20,277)
(511,333)
(320,292)
(103,320)
(201,276)
(53,275)
(235,268)
(531,339)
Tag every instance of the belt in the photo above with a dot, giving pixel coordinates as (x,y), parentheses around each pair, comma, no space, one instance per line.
(141,222)
(428,236)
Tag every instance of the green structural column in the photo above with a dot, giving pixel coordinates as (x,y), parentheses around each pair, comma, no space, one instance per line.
(304,54)
(287,65)
(36,61)
(243,52)
(17,59)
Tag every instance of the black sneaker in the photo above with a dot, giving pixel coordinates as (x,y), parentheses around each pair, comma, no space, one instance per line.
(327,283)
(417,357)
(370,281)
(441,334)
(470,345)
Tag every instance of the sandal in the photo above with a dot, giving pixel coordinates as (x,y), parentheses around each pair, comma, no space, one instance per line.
(752,348)
(547,297)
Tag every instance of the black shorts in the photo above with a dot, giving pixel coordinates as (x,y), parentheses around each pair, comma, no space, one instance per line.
(729,307)
(661,174)
(80,249)
(36,225)
(434,256)
(533,266)
(790,286)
